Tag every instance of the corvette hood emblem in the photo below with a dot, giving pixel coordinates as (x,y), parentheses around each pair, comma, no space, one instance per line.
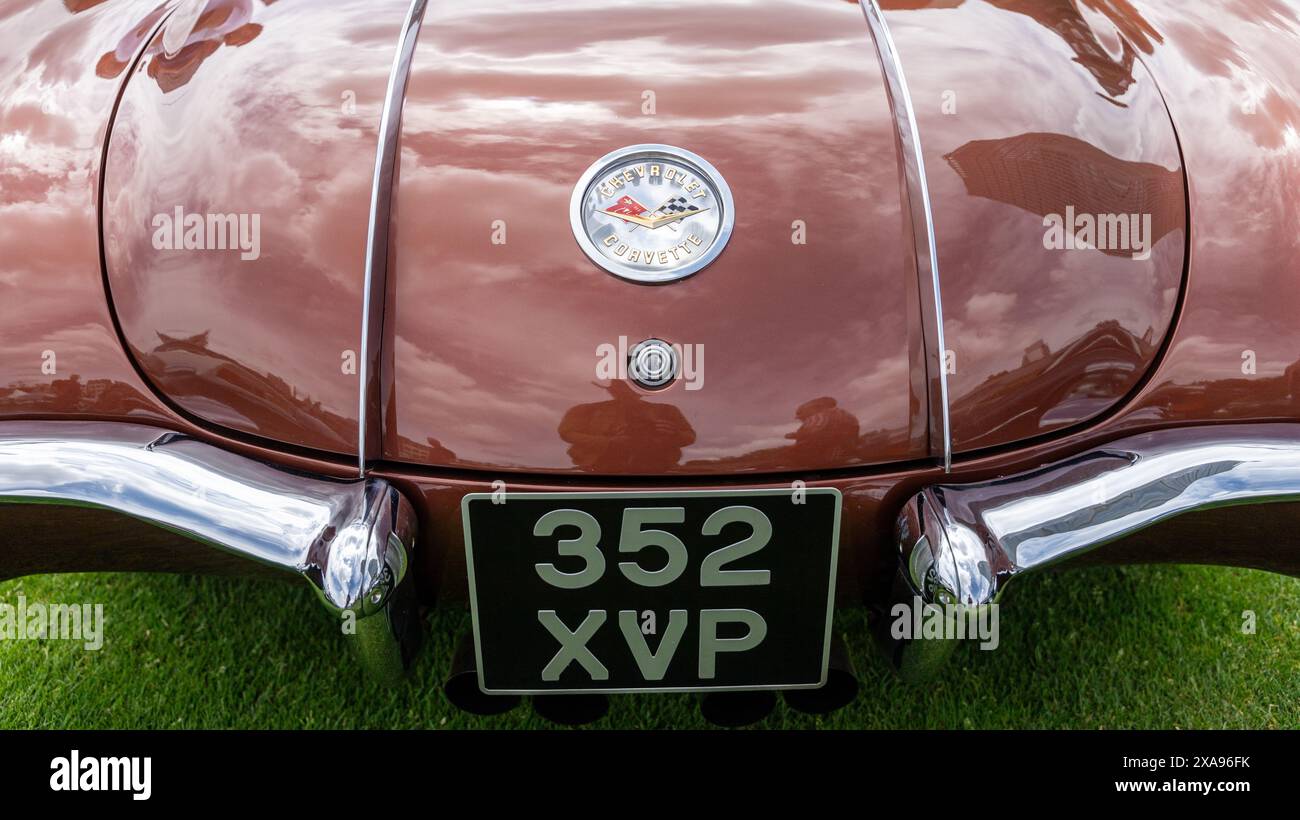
(684,230)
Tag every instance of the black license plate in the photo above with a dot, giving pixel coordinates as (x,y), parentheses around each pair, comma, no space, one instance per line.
(638,591)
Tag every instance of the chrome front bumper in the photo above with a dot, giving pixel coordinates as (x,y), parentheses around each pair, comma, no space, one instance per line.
(352,540)
(960,545)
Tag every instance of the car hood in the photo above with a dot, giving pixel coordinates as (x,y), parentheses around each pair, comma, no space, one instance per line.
(803,334)
(811,342)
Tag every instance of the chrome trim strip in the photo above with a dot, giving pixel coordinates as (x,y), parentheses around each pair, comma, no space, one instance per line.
(351,539)
(962,544)
(927,258)
(376,275)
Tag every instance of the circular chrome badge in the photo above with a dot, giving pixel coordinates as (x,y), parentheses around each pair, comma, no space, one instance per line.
(652,213)
(652,364)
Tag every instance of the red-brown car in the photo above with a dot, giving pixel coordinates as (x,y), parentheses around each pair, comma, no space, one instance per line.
(652,332)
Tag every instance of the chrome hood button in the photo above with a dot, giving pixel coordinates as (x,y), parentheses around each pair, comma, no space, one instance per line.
(653,364)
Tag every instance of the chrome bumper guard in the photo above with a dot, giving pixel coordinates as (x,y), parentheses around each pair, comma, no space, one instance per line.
(960,545)
(351,539)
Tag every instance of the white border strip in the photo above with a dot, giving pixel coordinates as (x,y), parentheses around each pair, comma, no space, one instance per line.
(381,193)
(911,141)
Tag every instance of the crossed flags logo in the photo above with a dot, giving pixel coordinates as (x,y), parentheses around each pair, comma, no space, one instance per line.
(672,210)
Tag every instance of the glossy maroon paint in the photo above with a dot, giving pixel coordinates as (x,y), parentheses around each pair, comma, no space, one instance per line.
(59,353)
(251,109)
(1244,174)
(1042,339)
(1230,75)
(808,349)
(1226,70)
(1029,110)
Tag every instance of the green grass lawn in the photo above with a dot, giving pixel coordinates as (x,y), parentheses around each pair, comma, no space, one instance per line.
(1109,647)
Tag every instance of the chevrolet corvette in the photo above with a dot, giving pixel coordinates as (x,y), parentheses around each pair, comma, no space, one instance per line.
(410,301)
